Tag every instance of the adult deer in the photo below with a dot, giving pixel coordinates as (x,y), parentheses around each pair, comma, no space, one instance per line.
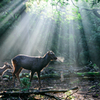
(34,64)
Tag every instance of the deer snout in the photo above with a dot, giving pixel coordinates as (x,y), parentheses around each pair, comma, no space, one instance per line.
(55,58)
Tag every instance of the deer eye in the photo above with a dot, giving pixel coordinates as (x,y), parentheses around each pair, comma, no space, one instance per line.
(50,52)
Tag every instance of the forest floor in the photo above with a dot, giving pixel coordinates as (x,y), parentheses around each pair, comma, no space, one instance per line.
(89,89)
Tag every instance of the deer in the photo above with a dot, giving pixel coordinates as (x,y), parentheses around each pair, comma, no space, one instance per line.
(5,67)
(32,63)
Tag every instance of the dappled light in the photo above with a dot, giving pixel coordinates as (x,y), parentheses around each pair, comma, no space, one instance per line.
(42,29)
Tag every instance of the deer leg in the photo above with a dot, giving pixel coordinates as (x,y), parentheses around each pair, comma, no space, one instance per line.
(14,80)
(32,73)
(39,80)
(14,74)
(17,75)
(14,77)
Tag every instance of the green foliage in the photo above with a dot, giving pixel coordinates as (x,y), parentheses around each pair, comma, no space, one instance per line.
(51,12)
(86,0)
(78,16)
(4,2)
(98,1)
(69,96)
(24,74)
(25,82)
(76,0)
(53,3)
(94,2)
(88,73)
(95,67)
(6,76)
(92,87)
(46,0)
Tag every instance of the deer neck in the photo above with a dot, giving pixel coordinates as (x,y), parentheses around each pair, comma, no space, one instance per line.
(46,60)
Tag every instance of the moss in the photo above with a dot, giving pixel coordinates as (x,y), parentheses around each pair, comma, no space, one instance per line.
(88,73)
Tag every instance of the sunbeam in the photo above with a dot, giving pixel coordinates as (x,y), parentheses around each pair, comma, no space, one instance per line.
(66,32)
(11,15)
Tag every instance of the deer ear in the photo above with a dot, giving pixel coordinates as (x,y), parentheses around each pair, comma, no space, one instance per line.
(48,53)
(5,63)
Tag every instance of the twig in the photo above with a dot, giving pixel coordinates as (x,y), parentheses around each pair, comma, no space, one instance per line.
(74,4)
(51,96)
(72,93)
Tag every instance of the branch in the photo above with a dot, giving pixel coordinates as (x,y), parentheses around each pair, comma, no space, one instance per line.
(95,11)
(51,96)
(26,94)
(72,94)
(74,4)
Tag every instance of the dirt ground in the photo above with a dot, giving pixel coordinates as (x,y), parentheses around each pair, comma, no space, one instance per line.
(89,89)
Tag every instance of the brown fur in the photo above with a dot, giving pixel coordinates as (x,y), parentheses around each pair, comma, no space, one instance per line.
(35,64)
